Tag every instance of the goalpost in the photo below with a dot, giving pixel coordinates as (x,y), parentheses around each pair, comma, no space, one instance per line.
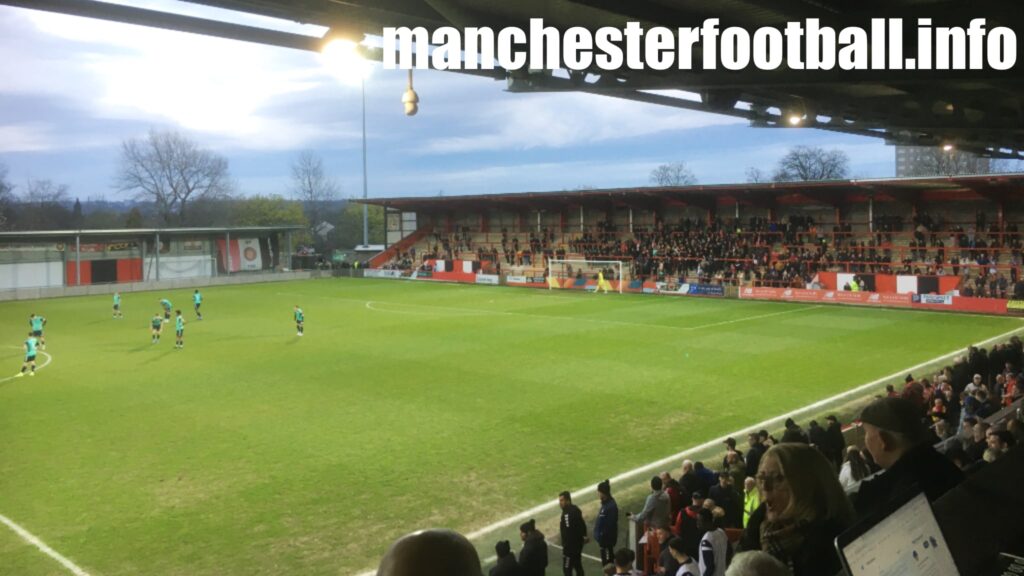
(612,270)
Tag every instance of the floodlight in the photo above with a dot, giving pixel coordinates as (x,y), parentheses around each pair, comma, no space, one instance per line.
(410,99)
(343,58)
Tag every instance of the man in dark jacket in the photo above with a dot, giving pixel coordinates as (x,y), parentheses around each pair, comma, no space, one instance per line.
(836,441)
(689,481)
(754,452)
(507,565)
(606,527)
(574,535)
(707,477)
(898,441)
(794,433)
(533,558)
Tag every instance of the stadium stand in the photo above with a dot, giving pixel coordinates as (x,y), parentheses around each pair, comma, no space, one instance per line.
(953,234)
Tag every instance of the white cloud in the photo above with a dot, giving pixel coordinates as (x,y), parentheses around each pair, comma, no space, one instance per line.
(524,121)
(30,137)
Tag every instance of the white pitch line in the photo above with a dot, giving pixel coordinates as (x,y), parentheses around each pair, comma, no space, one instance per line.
(746,318)
(31,539)
(587,556)
(40,367)
(368,304)
(660,464)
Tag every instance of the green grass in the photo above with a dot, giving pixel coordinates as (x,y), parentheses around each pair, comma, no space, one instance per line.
(253,451)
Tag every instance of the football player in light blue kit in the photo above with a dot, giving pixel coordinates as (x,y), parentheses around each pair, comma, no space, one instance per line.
(30,356)
(37,323)
(167,309)
(197,301)
(117,305)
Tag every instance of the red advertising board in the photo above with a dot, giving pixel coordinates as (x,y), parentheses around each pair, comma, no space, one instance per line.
(956,304)
(827,296)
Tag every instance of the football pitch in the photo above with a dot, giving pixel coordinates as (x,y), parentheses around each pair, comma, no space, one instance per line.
(404,406)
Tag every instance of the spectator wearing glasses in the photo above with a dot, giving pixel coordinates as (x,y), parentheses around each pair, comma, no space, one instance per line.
(803,509)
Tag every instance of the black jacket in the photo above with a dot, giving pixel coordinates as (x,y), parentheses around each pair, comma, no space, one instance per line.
(572,529)
(922,466)
(507,566)
(816,557)
(533,558)
(754,459)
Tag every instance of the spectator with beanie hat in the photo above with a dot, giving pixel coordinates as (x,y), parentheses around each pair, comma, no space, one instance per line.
(898,441)
(606,527)
(533,558)
(506,565)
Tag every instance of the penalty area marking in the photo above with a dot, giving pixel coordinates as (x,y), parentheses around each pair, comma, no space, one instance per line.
(757,317)
(31,539)
(49,359)
(675,458)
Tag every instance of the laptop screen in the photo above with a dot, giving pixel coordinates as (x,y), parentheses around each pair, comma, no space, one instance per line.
(907,542)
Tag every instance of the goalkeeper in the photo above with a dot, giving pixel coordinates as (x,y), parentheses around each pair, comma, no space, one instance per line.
(602,284)
(552,281)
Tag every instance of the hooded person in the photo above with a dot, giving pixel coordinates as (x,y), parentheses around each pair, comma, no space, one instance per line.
(794,433)
(533,558)
(506,564)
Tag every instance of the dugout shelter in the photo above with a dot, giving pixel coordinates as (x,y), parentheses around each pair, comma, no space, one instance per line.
(66,258)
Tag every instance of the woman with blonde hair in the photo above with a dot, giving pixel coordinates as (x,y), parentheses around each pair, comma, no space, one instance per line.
(803,509)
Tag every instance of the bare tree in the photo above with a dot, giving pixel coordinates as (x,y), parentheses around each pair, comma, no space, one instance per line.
(934,161)
(673,174)
(803,163)
(312,187)
(43,206)
(6,197)
(756,175)
(170,170)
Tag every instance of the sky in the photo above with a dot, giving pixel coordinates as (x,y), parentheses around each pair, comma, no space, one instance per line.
(72,90)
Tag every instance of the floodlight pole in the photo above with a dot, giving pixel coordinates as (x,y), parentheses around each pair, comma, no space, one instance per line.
(366,217)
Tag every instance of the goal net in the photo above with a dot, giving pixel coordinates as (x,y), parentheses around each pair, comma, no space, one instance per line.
(588,273)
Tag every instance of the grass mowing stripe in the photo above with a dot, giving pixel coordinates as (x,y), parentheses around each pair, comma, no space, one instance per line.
(369,305)
(648,468)
(31,539)
(757,317)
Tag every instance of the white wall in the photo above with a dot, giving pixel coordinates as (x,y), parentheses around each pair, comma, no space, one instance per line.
(178,267)
(31,275)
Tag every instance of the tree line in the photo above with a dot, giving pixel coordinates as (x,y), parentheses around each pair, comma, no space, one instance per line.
(174,182)
(808,163)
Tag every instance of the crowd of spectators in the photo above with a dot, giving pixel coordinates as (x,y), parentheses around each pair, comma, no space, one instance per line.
(775,507)
(755,251)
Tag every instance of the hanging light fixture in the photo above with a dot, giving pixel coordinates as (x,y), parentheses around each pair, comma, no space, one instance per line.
(410,99)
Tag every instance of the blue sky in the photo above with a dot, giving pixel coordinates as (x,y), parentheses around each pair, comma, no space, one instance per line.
(74,89)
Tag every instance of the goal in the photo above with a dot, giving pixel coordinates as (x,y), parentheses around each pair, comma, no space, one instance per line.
(588,269)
